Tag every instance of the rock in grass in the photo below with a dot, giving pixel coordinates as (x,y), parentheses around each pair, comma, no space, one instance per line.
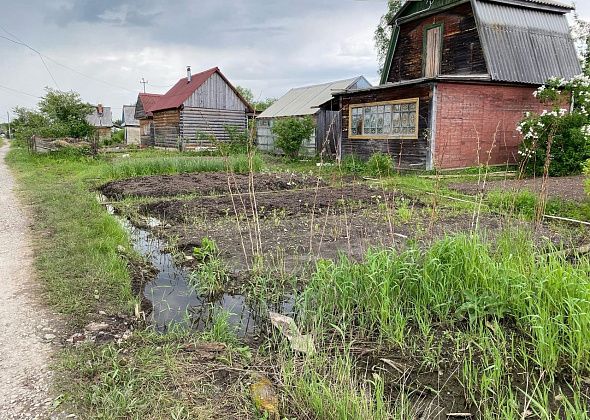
(265,397)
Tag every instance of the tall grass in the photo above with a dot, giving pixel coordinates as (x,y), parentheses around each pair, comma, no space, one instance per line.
(177,165)
(520,310)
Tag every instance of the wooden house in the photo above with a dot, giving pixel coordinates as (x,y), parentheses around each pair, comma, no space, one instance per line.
(306,101)
(143,113)
(459,76)
(131,125)
(101,118)
(196,108)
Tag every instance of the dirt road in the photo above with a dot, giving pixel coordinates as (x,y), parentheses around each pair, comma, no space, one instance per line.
(26,331)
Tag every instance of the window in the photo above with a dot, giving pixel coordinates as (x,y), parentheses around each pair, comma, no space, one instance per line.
(432,50)
(385,120)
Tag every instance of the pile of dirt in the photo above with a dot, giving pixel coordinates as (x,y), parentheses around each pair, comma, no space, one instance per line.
(278,204)
(565,188)
(207,183)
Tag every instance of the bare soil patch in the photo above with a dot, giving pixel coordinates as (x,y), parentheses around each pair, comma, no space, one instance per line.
(567,188)
(208,183)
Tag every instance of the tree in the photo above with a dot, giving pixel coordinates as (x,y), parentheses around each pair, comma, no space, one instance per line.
(291,132)
(249,96)
(59,114)
(581,34)
(383,32)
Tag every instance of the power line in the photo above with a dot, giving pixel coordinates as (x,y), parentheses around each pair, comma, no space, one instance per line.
(61,64)
(32,49)
(20,91)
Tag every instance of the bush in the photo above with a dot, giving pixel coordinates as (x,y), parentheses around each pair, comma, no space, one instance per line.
(353,165)
(238,142)
(569,150)
(291,132)
(568,131)
(380,164)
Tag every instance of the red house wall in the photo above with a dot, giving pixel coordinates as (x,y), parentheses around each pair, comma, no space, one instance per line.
(490,113)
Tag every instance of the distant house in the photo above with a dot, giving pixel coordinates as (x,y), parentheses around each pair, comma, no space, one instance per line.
(101,119)
(458,77)
(143,113)
(197,107)
(306,101)
(131,125)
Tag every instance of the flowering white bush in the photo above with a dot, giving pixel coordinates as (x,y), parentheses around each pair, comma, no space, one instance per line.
(566,125)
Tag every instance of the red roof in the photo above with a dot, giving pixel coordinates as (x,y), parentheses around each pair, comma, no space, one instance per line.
(149,100)
(182,90)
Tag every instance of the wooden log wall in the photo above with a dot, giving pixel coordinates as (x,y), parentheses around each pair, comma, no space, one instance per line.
(146,129)
(410,154)
(210,122)
(462,53)
(166,128)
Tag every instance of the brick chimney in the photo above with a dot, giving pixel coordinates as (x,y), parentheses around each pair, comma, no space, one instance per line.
(99,109)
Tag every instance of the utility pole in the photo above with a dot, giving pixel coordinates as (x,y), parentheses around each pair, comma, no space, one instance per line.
(143,82)
(8,115)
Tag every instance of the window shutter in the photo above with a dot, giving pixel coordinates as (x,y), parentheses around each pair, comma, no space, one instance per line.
(433,52)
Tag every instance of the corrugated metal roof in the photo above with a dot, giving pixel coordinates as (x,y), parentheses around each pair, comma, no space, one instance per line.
(555,3)
(129,116)
(104,120)
(525,45)
(306,100)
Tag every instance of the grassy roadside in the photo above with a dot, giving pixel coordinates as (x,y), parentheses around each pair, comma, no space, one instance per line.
(76,241)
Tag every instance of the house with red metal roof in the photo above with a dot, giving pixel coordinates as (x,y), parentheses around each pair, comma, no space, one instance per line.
(196,109)
(143,113)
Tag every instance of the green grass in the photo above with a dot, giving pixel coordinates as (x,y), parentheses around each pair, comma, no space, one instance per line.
(127,168)
(152,376)
(76,241)
(518,310)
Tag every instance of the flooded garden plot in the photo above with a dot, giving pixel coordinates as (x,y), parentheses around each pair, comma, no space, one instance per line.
(412,321)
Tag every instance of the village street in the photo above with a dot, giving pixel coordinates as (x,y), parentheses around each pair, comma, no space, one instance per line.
(25,325)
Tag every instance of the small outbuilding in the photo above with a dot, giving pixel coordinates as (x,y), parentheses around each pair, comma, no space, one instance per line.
(197,109)
(302,102)
(143,113)
(131,125)
(101,119)
(459,76)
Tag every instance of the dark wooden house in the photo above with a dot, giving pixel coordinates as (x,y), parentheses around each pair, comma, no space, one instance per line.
(197,107)
(144,106)
(459,76)
(302,102)
(101,118)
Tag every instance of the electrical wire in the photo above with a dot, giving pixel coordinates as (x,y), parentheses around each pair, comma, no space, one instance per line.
(20,91)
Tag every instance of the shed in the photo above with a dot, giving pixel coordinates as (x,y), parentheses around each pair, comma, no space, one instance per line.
(306,101)
(130,125)
(101,118)
(143,113)
(198,108)
(459,76)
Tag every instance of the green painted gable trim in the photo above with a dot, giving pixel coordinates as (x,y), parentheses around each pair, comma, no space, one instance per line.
(424,7)
(389,58)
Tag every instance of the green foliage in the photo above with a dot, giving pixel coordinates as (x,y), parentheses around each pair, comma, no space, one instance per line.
(291,133)
(206,251)
(587,172)
(238,143)
(212,274)
(258,105)
(382,36)
(118,137)
(353,165)
(59,114)
(180,164)
(567,133)
(380,164)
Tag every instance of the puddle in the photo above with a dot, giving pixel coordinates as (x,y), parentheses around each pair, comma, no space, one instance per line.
(173,297)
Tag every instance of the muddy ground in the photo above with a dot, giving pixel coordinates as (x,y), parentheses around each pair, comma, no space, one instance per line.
(204,184)
(567,188)
(303,219)
(300,219)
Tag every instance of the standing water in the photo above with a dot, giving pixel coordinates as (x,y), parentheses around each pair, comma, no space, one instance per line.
(174,298)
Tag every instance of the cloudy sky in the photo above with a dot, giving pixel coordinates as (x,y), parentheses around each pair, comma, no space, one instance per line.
(102,48)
